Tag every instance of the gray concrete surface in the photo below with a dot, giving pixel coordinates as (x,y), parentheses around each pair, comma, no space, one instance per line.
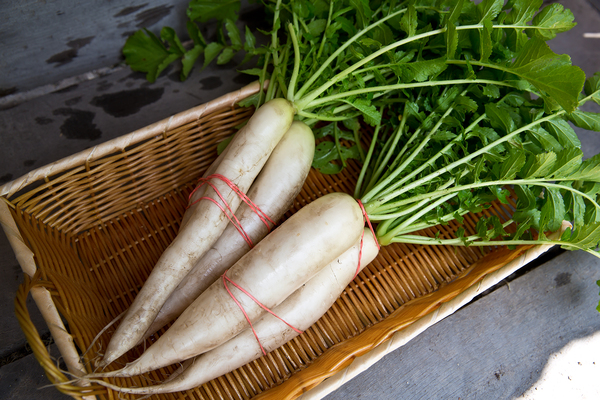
(40,131)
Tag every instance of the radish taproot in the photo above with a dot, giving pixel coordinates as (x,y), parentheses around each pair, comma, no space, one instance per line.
(278,265)
(248,152)
(301,310)
(273,192)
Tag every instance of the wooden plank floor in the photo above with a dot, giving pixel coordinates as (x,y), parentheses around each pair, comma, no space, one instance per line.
(537,337)
(500,346)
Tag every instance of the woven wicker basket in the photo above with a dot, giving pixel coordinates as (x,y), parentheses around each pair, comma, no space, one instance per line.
(87,230)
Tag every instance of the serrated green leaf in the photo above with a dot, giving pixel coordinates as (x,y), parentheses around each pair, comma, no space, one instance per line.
(531,215)
(225,56)
(486,40)
(567,162)
(325,153)
(512,165)
(526,199)
(145,52)
(481,228)
(499,118)
(327,157)
(350,152)
(447,99)
(500,193)
(554,19)
(370,113)
(189,59)
(352,124)
(522,227)
(591,216)
(340,12)
(577,206)
(455,11)
(372,43)
(586,120)
(563,132)
(589,170)
(544,139)
(592,84)
(363,12)
(252,71)
(549,72)
(233,33)
(426,70)
(553,210)
(250,40)
(168,35)
(491,90)
(317,26)
(170,58)
(443,136)
(489,9)
(409,21)
(465,103)
(522,11)
(250,101)
(451,41)
(203,10)
(195,33)
(539,165)
(211,51)
(587,236)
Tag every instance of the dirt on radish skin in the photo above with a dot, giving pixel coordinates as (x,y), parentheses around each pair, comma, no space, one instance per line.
(249,151)
(273,191)
(275,268)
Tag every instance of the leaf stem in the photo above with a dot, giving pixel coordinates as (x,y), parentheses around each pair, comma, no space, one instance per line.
(303,102)
(373,204)
(294,77)
(327,118)
(387,88)
(425,165)
(363,171)
(424,240)
(339,51)
(386,239)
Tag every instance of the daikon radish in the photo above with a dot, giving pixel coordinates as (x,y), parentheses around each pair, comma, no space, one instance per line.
(282,262)
(273,191)
(301,309)
(248,152)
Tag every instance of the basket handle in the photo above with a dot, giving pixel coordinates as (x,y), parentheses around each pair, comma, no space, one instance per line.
(53,372)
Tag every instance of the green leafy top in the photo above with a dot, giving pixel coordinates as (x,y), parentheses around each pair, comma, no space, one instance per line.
(467,102)
(147,53)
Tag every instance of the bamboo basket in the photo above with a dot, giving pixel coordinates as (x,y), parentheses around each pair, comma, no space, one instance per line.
(87,230)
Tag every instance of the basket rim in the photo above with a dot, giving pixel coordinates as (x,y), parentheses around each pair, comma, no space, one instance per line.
(121,142)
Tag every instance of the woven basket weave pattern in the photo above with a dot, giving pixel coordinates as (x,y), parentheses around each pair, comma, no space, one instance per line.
(98,228)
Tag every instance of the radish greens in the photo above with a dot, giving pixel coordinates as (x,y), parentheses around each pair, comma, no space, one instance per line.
(467,105)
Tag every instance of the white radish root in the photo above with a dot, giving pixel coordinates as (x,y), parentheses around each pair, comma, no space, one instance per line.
(273,191)
(271,271)
(248,152)
(301,309)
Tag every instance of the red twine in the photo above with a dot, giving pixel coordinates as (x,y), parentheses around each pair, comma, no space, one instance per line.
(235,221)
(263,216)
(265,219)
(227,279)
(366,218)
